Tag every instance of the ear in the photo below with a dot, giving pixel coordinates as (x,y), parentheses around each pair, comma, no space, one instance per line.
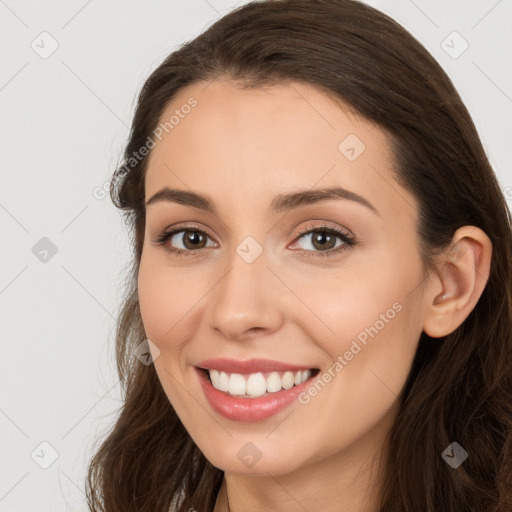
(461,277)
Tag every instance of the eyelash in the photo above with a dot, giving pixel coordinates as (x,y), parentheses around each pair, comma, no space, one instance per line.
(348,241)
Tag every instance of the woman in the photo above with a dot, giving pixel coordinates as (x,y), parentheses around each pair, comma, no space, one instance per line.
(322,278)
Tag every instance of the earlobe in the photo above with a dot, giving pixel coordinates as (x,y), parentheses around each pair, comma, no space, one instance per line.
(462,275)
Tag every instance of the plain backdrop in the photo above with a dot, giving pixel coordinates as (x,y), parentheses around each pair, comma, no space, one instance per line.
(70,73)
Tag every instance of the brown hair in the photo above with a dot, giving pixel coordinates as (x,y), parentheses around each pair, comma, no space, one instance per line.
(460,386)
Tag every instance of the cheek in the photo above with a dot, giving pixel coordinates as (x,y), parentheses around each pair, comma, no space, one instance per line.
(366,319)
(339,305)
(376,330)
(163,301)
(367,292)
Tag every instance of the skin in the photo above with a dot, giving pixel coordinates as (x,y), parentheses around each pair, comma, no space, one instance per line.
(241,148)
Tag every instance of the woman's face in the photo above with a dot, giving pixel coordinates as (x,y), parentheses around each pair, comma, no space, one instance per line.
(260,278)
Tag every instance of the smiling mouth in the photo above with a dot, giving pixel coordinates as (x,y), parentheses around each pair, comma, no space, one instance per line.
(257,384)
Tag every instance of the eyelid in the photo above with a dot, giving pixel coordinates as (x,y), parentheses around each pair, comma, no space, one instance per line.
(186,226)
(327,226)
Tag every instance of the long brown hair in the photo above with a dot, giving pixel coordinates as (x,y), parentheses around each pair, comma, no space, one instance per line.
(460,386)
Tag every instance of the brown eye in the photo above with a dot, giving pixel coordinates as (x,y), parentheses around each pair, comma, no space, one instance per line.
(323,241)
(184,241)
(320,240)
(191,239)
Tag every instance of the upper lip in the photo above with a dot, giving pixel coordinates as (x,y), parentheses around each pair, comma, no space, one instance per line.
(249,366)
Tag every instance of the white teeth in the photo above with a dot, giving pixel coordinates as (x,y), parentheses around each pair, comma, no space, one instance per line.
(274,382)
(237,384)
(255,384)
(214,376)
(288,380)
(223,381)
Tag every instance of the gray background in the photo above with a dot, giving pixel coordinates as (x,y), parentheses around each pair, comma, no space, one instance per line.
(64,120)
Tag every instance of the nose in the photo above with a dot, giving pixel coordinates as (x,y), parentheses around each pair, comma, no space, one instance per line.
(246,300)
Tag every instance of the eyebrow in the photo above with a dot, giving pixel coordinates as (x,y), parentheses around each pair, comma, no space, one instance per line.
(281,203)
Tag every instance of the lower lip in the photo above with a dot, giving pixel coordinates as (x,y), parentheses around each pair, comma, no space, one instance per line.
(249,409)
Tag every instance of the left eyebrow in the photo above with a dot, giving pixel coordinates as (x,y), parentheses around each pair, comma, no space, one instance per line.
(286,202)
(281,203)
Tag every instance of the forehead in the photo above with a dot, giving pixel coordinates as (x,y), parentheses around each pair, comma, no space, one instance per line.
(246,143)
